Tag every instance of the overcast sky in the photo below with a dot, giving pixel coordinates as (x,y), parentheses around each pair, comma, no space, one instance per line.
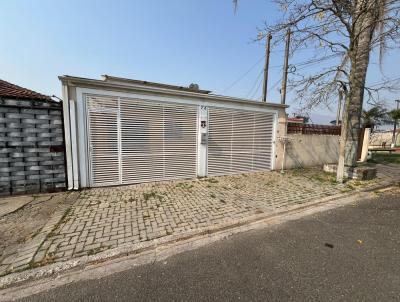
(175,42)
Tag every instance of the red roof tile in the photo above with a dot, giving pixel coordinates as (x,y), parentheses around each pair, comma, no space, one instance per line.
(8,90)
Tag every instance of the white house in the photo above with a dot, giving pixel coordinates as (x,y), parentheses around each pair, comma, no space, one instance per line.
(121,131)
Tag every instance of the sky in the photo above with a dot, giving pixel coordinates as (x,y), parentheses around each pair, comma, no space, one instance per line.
(175,42)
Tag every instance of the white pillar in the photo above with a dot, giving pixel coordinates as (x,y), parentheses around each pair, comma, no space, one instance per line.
(364,150)
(202,141)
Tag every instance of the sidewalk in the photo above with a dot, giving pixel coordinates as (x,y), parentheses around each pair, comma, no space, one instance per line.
(107,218)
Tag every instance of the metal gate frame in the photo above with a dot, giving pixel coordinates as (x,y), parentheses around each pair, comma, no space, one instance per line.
(272,146)
(119,138)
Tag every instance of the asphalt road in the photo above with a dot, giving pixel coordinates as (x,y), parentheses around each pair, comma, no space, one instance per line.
(346,254)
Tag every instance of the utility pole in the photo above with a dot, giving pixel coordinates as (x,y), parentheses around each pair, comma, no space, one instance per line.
(339,110)
(394,127)
(266,66)
(285,68)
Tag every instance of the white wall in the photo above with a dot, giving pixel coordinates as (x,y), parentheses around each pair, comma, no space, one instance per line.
(311,150)
(378,137)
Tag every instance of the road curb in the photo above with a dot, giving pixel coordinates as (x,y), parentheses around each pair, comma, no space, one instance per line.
(189,239)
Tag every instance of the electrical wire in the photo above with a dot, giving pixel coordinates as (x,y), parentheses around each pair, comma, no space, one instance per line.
(243,75)
(255,83)
(257,89)
(275,84)
(384,82)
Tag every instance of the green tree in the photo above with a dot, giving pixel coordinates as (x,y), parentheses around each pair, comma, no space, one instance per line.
(373,117)
(394,115)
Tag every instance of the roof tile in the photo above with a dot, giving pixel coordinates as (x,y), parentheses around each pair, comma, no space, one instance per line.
(8,90)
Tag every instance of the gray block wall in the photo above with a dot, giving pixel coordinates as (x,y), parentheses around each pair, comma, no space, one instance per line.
(31,147)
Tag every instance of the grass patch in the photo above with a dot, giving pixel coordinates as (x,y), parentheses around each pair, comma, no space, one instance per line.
(323,176)
(48,259)
(185,185)
(383,158)
(314,174)
(153,194)
(147,196)
(93,251)
(63,219)
(297,171)
(211,180)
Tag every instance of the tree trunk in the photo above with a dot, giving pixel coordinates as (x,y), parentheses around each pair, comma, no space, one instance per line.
(359,55)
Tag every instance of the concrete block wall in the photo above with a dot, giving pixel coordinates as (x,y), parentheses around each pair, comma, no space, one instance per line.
(31,147)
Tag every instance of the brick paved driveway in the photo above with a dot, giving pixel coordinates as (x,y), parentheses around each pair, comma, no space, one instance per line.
(104,218)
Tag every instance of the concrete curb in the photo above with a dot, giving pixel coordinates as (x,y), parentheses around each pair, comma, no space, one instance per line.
(210,234)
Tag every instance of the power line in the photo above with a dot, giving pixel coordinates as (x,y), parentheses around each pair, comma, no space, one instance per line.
(384,82)
(255,83)
(298,49)
(243,75)
(275,84)
(257,89)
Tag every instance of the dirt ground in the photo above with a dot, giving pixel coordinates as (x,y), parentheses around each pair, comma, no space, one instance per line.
(26,222)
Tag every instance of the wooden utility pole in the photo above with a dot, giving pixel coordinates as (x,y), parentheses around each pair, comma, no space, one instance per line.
(266,67)
(285,68)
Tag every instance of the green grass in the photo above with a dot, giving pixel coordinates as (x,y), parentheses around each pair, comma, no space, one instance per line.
(153,194)
(211,180)
(314,174)
(323,176)
(184,185)
(384,158)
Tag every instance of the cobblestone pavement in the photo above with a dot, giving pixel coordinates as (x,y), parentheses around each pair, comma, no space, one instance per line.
(105,218)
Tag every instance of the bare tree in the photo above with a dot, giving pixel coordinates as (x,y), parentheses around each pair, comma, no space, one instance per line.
(343,34)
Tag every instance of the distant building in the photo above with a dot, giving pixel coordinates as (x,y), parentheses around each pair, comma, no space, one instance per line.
(296,120)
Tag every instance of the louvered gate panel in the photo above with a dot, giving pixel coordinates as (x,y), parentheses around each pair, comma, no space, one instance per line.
(158,141)
(219,156)
(103,141)
(263,138)
(239,141)
(180,141)
(242,141)
(141,141)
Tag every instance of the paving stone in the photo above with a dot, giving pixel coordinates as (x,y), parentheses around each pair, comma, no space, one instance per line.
(109,217)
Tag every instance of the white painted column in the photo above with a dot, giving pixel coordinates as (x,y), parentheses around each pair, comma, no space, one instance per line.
(202,141)
(74,148)
(364,150)
(67,137)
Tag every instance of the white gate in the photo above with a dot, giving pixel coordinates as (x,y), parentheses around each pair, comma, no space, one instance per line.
(239,141)
(103,141)
(133,141)
(159,141)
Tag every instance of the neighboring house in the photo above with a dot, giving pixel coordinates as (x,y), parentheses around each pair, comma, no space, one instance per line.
(296,120)
(31,142)
(121,131)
